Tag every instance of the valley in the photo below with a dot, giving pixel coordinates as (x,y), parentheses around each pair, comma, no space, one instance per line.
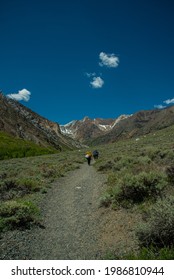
(87,137)
(121,207)
(39,193)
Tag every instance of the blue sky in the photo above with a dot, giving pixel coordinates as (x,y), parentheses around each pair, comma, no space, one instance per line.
(69,59)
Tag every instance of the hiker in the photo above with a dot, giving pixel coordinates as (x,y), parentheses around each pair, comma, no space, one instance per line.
(88,156)
(95,154)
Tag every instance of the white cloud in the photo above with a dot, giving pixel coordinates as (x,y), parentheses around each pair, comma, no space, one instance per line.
(159,106)
(97,82)
(108,60)
(169,101)
(23,94)
(89,75)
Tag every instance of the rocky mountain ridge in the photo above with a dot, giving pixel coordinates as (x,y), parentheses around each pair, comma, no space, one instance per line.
(138,124)
(103,131)
(18,120)
(86,129)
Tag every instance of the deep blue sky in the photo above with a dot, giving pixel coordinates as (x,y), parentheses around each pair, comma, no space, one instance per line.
(48,47)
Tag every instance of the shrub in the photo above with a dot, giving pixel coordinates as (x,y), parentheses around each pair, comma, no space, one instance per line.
(30,184)
(105,200)
(152,253)
(144,160)
(15,214)
(159,228)
(153,153)
(133,188)
(49,172)
(112,179)
(107,166)
(170,174)
(3,175)
(18,188)
(139,187)
(169,156)
(144,253)
(10,189)
(9,184)
(124,163)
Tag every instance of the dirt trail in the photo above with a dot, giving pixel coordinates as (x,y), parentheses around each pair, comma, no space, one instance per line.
(74,225)
(70,217)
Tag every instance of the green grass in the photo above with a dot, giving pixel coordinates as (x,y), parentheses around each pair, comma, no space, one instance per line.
(12,147)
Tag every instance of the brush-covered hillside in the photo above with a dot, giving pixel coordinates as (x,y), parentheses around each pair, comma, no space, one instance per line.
(136,204)
(140,180)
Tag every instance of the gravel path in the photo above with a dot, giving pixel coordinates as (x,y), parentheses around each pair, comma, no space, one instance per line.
(74,226)
(70,219)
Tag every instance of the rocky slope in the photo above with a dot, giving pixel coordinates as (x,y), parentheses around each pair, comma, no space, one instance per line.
(20,121)
(100,131)
(140,123)
(87,129)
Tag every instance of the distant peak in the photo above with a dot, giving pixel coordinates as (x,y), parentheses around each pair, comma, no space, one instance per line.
(70,123)
(85,119)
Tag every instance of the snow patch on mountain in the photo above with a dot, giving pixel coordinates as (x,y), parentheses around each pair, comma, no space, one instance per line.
(120,118)
(105,127)
(71,128)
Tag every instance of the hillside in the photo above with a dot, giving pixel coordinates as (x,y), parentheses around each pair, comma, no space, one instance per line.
(19,121)
(15,147)
(140,123)
(103,131)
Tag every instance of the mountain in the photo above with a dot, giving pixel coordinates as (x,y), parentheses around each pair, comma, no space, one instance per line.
(87,129)
(103,131)
(138,124)
(19,121)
